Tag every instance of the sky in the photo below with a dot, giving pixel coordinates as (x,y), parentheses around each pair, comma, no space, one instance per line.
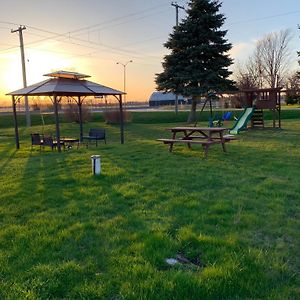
(91,36)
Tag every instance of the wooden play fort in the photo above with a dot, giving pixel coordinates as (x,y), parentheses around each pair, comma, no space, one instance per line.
(263,99)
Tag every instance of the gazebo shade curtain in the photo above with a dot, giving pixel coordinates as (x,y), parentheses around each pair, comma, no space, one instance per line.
(64,83)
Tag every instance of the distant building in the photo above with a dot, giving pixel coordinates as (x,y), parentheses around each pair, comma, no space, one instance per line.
(159,98)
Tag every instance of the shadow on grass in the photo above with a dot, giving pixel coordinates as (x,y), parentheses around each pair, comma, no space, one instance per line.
(74,227)
(73,235)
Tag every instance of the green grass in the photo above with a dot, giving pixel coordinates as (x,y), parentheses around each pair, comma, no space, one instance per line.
(66,234)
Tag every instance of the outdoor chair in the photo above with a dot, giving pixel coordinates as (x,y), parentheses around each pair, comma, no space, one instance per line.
(36,140)
(95,134)
(50,142)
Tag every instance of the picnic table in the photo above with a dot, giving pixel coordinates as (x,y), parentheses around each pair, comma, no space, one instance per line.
(205,136)
(67,141)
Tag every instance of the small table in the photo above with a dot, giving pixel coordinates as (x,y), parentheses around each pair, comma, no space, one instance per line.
(205,136)
(69,142)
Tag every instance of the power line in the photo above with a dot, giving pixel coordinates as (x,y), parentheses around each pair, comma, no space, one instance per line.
(265,18)
(79,43)
(106,24)
(61,37)
(96,49)
(56,36)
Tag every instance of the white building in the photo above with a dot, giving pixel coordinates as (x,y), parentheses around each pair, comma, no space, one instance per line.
(160,98)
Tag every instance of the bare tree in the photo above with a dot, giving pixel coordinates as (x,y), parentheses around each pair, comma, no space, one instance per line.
(292,87)
(268,65)
(298,52)
(299,61)
(293,82)
(274,56)
(247,75)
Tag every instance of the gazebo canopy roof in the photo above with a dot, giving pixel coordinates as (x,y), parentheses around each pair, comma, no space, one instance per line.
(67,74)
(66,83)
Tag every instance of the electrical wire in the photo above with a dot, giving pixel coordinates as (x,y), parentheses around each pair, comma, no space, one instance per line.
(265,18)
(67,36)
(71,38)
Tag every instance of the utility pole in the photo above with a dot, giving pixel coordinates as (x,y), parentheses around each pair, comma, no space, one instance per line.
(177,11)
(20,31)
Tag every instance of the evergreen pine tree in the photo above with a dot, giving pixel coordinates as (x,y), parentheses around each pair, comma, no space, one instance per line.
(198,62)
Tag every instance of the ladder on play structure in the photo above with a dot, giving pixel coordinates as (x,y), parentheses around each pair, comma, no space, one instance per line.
(257,119)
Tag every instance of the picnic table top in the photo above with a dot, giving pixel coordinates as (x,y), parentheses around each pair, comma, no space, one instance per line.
(190,128)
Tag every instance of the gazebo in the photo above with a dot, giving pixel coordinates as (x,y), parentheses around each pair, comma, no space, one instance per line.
(66,84)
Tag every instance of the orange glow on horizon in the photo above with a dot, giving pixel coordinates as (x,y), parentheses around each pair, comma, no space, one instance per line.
(47,58)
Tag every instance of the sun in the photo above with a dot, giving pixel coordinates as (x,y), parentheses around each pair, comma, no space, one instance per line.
(43,61)
(38,61)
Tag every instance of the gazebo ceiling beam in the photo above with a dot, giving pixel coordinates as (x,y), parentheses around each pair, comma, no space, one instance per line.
(79,99)
(16,98)
(55,98)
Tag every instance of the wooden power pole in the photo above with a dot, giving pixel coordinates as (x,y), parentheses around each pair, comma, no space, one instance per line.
(20,31)
(177,11)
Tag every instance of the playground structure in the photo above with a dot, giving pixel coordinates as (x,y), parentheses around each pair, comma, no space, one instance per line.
(255,102)
(261,100)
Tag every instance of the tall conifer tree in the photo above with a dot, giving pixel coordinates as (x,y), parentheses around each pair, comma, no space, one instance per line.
(198,62)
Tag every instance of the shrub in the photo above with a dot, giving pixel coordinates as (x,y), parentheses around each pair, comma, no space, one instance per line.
(71,113)
(113,116)
(35,106)
(292,99)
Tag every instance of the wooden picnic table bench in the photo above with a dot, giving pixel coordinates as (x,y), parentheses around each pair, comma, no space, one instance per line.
(205,136)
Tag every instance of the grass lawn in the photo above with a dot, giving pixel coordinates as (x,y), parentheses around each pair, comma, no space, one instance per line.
(66,234)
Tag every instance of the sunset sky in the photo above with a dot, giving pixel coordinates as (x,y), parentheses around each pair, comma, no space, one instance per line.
(91,36)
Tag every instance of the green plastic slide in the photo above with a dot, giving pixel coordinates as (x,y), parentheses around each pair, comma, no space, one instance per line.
(242,121)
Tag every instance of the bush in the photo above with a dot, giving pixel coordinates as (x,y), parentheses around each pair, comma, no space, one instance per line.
(35,106)
(292,99)
(113,116)
(71,112)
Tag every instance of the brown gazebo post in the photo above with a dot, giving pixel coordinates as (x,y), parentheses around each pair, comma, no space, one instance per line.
(79,103)
(55,103)
(15,122)
(121,119)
